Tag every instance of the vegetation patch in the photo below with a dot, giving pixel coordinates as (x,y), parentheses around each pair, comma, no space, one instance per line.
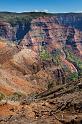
(2,96)
(73,76)
(56,57)
(75,60)
(16,96)
(45,55)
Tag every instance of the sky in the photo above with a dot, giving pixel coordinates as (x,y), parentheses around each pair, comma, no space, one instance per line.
(55,6)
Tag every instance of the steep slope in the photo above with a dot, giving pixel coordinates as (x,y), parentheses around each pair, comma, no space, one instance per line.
(54,34)
(12,68)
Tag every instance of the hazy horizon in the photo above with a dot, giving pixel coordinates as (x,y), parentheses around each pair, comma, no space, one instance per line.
(37,12)
(50,6)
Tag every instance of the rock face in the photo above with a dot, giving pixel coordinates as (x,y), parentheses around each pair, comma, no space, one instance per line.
(5,30)
(55,33)
(17,66)
(13,33)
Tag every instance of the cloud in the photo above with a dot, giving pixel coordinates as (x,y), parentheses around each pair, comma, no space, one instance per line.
(35,10)
(45,10)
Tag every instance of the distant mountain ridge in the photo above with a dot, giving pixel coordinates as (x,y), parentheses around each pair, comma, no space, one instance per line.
(19,23)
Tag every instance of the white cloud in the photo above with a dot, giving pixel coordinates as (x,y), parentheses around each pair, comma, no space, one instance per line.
(35,10)
(45,10)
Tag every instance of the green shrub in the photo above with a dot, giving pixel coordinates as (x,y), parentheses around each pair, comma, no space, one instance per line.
(45,55)
(2,96)
(75,60)
(56,57)
(50,85)
(16,96)
(73,76)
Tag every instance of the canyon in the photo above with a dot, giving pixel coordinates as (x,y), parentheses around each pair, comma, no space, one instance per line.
(40,68)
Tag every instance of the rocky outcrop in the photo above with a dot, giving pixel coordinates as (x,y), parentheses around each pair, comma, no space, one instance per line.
(16,66)
(6,30)
(54,33)
(13,32)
